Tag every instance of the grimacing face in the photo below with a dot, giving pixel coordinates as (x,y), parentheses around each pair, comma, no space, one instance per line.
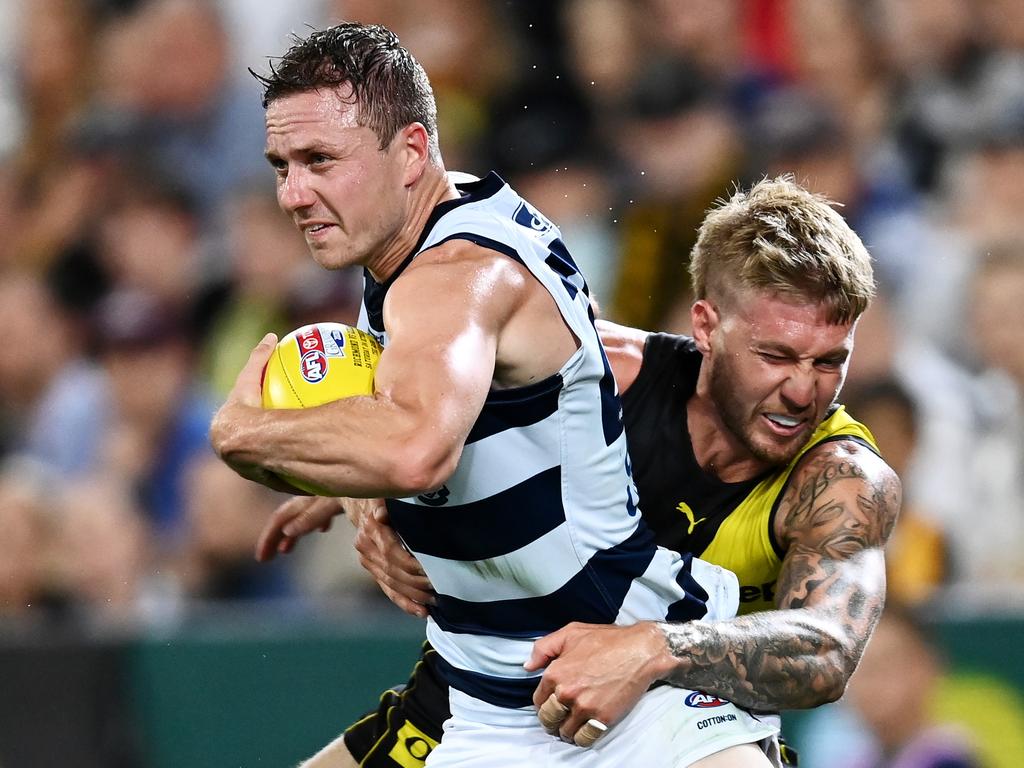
(346,195)
(776,365)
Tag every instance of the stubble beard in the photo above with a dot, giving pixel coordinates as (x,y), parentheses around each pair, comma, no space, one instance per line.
(739,420)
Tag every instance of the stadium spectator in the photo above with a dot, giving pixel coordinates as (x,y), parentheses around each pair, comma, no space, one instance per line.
(988,545)
(159,414)
(916,557)
(26,548)
(225,515)
(266,258)
(52,397)
(102,552)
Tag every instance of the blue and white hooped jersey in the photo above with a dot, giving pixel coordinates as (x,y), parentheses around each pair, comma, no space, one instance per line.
(539,525)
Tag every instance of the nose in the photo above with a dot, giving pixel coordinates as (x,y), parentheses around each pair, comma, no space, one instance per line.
(799,388)
(294,191)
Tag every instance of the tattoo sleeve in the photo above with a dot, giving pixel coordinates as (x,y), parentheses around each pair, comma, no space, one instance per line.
(836,517)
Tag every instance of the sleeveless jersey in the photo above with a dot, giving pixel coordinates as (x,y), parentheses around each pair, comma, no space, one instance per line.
(539,525)
(728,524)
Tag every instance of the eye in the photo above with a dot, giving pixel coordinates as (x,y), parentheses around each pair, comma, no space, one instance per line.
(772,358)
(831,364)
(318,159)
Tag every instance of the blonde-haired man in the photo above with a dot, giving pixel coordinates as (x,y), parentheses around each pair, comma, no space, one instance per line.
(741,423)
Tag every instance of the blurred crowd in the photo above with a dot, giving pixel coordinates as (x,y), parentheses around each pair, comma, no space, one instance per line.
(142,254)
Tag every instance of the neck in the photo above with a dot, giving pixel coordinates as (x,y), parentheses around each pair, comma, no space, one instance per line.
(718,451)
(433,187)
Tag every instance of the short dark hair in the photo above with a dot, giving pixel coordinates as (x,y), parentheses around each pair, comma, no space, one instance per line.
(389,86)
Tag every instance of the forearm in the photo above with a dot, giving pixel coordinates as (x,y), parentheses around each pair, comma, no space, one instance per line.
(831,588)
(347,448)
(787,659)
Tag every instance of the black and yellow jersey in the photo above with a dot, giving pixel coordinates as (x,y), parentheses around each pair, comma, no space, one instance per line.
(728,524)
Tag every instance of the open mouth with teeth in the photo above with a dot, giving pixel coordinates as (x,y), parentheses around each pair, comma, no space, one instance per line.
(782,424)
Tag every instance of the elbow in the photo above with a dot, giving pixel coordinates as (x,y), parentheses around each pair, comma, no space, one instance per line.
(844,663)
(422,467)
(830,694)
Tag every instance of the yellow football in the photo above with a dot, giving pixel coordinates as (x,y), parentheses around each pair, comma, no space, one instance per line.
(317,364)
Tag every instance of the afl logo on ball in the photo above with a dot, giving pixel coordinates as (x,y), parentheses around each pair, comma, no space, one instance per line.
(313,366)
(699,700)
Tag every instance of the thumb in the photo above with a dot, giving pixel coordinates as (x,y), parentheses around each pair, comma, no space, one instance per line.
(249,384)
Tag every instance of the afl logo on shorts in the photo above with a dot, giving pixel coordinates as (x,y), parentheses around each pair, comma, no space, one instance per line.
(699,700)
(313,366)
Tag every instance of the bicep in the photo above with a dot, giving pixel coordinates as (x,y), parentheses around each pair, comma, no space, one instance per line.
(440,359)
(835,520)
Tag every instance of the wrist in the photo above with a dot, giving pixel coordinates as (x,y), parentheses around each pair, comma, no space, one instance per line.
(658,663)
(235,431)
(676,640)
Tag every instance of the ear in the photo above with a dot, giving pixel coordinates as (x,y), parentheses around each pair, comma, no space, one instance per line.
(704,318)
(414,149)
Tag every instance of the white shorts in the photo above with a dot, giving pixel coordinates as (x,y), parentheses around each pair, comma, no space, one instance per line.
(669,728)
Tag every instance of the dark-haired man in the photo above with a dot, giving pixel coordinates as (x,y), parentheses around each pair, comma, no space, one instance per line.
(494,432)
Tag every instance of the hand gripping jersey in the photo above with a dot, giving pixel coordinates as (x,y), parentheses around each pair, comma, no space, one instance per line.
(729,524)
(539,525)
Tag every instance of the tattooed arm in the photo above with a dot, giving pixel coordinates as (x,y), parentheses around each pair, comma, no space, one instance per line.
(833,521)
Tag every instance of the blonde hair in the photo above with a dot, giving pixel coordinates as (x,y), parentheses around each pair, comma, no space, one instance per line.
(779,237)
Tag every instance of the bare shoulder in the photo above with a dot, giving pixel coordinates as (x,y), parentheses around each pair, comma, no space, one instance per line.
(462,257)
(461,274)
(841,495)
(625,349)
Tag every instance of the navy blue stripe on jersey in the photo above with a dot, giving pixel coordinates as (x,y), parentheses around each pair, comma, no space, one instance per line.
(694,605)
(593,595)
(519,407)
(562,263)
(373,300)
(469,192)
(483,242)
(611,403)
(491,527)
(500,691)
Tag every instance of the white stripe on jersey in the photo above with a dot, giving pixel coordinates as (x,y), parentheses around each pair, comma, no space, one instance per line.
(722,586)
(482,653)
(647,595)
(509,577)
(535,448)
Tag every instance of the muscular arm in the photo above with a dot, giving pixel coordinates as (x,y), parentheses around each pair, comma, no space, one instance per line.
(431,382)
(834,521)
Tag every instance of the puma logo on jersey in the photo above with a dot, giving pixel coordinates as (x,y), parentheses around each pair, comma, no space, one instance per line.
(683,507)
